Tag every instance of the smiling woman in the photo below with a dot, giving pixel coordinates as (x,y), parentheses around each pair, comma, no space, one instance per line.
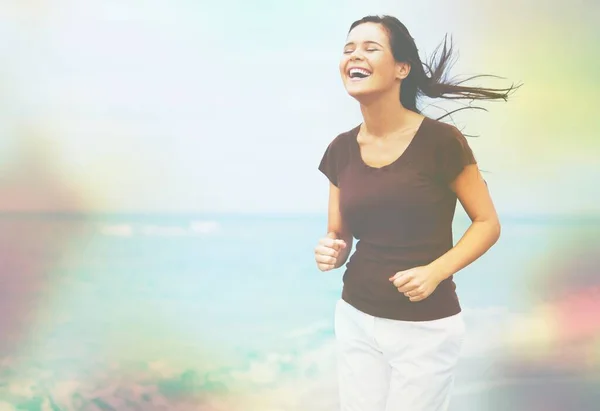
(372,36)
(394,183)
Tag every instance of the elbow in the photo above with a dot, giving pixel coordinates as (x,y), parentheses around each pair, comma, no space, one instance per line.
(495,230)
(490,230)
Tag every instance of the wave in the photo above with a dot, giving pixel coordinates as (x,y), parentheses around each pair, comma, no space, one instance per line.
(204,227)
(310,330)
(118,230)
(194,228)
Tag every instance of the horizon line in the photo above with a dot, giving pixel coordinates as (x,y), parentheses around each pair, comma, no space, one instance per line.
(97,213)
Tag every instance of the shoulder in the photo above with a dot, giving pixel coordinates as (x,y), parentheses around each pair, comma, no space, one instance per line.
(447,140)
(442,133)
(344,139)
(451,151)
(337,155)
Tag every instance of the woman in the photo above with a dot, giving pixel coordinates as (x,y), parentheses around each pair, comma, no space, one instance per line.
(394,183)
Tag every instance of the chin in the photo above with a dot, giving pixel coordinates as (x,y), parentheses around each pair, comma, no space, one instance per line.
(361,93)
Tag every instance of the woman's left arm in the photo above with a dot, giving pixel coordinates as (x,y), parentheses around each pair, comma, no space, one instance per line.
(472,192)
(456,159)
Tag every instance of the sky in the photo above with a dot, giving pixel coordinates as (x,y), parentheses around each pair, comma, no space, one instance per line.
(203,106)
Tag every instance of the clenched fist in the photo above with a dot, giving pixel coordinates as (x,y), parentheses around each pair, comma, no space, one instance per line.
(417,283)
(327,252)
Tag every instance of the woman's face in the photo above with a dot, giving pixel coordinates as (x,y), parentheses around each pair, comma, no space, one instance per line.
(367,65)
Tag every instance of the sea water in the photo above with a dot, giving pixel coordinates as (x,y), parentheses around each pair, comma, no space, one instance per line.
(221,312)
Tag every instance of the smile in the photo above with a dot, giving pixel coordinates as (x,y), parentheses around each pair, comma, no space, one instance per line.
(358,73)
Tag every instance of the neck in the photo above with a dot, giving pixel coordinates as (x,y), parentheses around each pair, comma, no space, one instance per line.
(384,115)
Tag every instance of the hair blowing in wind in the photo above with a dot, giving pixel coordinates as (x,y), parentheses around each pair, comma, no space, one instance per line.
(431,78)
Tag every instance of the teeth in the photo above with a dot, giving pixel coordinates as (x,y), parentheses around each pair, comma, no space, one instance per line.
(358,71)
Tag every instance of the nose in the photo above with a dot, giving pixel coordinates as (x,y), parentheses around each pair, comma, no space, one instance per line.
(355,55)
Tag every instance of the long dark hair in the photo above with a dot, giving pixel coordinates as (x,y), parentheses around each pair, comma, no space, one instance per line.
(430,79)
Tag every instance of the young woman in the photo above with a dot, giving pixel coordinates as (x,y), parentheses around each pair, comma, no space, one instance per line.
(394,183)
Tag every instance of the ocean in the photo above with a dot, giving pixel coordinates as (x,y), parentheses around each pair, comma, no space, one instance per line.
(229,312)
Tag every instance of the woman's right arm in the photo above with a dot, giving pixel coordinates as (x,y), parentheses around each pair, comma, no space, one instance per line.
(336,225)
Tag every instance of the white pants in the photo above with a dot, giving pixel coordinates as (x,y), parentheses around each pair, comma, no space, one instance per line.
(390,365)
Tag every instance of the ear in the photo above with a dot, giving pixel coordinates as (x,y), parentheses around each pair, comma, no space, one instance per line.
(402,70)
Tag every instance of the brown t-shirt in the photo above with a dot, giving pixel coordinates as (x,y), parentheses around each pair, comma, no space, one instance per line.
(401,214)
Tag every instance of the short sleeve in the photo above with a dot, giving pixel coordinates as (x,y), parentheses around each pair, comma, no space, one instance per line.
(453,155)
(330,162)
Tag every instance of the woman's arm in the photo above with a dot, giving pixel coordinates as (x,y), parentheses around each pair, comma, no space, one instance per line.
(336,225)
(472,192)
(420,282)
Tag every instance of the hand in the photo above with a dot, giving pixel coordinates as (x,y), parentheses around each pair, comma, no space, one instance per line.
(327,252)
(417,283)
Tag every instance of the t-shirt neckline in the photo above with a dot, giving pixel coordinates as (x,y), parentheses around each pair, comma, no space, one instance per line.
(398,160)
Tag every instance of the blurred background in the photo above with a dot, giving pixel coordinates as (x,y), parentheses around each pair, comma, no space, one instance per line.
(160,201)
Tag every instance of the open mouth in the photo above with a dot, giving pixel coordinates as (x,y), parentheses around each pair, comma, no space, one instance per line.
(356,73)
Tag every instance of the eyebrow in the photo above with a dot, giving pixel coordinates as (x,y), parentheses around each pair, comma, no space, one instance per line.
(351,43)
